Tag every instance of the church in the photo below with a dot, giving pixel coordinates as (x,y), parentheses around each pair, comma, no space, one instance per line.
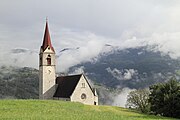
(74,88)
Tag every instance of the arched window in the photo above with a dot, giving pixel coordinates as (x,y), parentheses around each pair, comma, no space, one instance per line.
(49,60)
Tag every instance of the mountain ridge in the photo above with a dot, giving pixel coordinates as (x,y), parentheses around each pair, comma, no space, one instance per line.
(110,72)
(143,63)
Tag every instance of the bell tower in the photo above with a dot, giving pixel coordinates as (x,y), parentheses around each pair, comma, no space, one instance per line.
(47,67)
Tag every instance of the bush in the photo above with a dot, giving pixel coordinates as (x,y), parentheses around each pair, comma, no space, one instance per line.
(165,98)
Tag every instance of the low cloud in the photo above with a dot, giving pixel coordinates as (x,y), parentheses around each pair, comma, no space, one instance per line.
(125,74)
(166,43)
(121,98)
(79,47)
(83,46)
(89,47)
(78,70)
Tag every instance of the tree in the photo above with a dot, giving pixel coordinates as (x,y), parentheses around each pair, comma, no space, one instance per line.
(138,99)
(165,98)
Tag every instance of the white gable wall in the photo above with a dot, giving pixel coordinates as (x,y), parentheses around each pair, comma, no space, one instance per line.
(83,89)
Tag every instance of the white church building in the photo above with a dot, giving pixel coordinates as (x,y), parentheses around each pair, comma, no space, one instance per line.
(74,88)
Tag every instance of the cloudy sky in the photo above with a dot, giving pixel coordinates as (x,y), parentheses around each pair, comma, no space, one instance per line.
(87,25)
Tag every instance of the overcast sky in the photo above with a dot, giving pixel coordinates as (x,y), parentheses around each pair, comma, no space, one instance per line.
(88,24)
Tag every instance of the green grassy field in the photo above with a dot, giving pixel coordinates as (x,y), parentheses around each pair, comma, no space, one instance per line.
(60,110)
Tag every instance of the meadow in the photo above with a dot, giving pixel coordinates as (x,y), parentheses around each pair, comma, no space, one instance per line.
(62,110)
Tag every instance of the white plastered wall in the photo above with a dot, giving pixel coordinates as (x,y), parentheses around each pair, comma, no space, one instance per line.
(47,75)
(79,90)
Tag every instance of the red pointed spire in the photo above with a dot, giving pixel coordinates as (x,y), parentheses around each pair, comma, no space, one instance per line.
(47,39)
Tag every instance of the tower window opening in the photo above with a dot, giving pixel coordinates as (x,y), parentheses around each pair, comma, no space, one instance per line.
(40,61)
(49,60)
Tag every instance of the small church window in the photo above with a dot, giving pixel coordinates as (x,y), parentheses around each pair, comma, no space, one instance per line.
(49,60)
(83,85)
(40,61)
(83,96)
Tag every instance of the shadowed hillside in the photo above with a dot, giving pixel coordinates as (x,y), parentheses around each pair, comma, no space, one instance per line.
(132,68)
(20,83)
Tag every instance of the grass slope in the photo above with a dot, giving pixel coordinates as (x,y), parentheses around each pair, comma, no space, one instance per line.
(60,110)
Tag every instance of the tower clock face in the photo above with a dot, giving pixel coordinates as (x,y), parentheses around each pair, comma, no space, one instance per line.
(49,71)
